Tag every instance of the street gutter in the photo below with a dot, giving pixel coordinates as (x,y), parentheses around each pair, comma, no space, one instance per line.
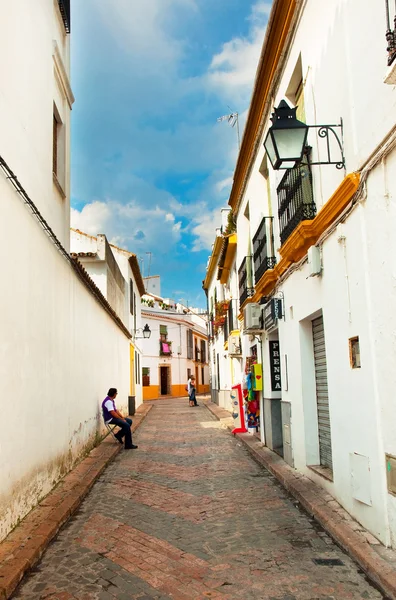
(357,542)
(23,547)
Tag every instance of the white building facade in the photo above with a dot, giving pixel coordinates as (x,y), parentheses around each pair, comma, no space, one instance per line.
(177,348)
(314,252)
(62,345)
(221,288)
(117,274)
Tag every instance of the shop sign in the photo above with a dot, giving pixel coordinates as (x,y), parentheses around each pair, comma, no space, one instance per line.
(272,312)
(275,366)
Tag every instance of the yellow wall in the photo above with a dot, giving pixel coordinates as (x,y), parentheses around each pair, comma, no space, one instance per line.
(178,390)
(150,392)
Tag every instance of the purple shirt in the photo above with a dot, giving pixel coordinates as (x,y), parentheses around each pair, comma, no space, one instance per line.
(108,404)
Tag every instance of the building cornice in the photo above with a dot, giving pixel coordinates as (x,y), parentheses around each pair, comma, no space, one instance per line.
(228,256)
(174,318)
(213,261)
(133,261)
(62,74)
(278,31)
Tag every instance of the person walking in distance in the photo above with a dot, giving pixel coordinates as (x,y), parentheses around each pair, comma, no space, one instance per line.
(114,417)
(192,391)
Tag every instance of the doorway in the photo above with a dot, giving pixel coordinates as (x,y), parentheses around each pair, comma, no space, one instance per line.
(196,379)
(164,381)
(322,394)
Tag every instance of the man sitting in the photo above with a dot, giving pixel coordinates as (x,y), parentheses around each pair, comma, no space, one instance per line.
(112,416)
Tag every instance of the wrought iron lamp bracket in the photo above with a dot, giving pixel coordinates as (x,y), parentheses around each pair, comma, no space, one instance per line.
(324,132)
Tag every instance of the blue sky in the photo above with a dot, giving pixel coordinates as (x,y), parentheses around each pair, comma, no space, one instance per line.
(151,166)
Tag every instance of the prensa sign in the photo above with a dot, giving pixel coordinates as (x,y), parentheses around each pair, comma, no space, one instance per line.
(275,366)
(272,312)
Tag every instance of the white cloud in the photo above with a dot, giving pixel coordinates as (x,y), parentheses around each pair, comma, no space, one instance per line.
(204,230)
(141,28)
(224,184)
(232,70)
(142,87)
(130,226)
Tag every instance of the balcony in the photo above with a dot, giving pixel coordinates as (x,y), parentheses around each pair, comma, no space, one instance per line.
(165,348)
(245,279)
(263,248)
(295,200)
(64,7)
(390,32)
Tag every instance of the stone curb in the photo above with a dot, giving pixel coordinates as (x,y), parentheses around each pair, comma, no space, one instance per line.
(24,546)
(335,520)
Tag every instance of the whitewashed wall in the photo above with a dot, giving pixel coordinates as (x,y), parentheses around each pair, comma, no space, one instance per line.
(29,88)
(343,77)
(59,354)
(59,350)
(177,327)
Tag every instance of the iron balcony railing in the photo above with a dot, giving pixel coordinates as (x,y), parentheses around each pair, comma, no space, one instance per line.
(391,30)
(263,248)
(295,199)
(64,7)
(245,279)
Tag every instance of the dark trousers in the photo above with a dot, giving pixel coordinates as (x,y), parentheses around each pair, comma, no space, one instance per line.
(125,430)
(192,397)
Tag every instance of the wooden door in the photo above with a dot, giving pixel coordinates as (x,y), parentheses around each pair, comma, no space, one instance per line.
(164,381)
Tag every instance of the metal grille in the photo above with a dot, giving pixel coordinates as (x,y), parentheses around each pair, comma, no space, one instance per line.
(64,7)
(263,248)
(322,395)
(295,199)
(245,280)
(390,31)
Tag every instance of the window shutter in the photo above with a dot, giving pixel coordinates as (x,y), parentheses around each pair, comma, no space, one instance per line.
(55,145)
(131,304)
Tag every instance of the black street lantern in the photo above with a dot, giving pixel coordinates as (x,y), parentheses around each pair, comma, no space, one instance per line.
(286,139)
(146,332)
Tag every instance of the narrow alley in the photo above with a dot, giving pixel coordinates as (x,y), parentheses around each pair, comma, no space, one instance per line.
(191,515)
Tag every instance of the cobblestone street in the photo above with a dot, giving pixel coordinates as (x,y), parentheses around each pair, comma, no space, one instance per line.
(191,515)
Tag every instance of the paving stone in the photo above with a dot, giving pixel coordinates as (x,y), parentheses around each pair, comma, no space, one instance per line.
(190,515)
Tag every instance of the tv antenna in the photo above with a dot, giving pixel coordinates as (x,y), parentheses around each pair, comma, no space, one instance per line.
(232,119)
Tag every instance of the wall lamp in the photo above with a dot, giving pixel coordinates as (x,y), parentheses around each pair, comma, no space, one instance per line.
(146,332)
(286,140)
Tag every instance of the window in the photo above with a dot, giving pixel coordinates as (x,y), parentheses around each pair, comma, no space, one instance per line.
(146,376)
(354,353)
(203,376)
(58,151)
(55,145)
(190,344)
(197,350)
(163,333)
(137,367)
(188,374)
(203,351)
(131,298)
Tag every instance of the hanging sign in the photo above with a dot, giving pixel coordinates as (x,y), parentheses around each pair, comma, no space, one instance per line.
(272,312)
(257,373)
(237,409)
(275,366)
